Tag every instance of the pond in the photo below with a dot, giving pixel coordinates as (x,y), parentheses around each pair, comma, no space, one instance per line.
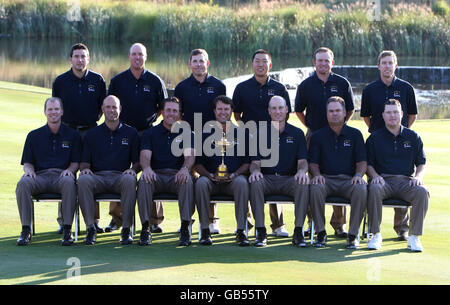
(38,62)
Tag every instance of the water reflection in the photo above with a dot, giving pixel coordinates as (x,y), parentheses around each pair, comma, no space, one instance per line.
(38,62)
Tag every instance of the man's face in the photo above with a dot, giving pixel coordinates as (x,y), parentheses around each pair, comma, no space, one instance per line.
(111,109)
(223,112)
(277,110)
(79,60)
(323,62)
(392,116)
(199,65)
(261,65)
(335,114)
(387,67)
(138,57)
(53,112)
(171,113)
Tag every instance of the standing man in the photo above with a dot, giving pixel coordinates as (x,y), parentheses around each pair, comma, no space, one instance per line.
(337,162)
(82,92)
(140,93)
(374,95)
(50,160)
(288,176)
(251,101)
(197,93)
(110,161)
(163,171)
(395,153)
(237,167)
(312,96)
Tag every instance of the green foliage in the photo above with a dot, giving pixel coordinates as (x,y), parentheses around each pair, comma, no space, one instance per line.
(441,8)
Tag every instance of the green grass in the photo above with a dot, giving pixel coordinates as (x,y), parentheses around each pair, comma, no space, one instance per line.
(44,261)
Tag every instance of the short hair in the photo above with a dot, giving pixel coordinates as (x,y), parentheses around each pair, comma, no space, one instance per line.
(324,50)
(172,99)
(336,99)
(198,52)
(261,51)
(78,46)
(138,44)
(53,99)
(386,53)
(392,101)
(224,99)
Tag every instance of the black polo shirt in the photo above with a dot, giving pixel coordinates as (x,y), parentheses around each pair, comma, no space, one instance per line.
(395,155)
(82,97)
(158,140)
(116,150)
(313,94)
(234,159)
(197,97)
(291,147)
(335,154)
(252,99)
(377,93)
(140,98)
(46,150)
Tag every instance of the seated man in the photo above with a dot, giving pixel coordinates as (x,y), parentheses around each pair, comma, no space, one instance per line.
(165,172)
(110,161)
(50,159)
(392,154)
(337,162)
(287,177)
(234,181)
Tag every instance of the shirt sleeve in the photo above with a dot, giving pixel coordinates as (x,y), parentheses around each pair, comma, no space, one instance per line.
(300,100)
(360,148)
(314,150)
(349,98)
(370,151)
(86,154)
(302,152)
(146,143)
(27,155)
(102,94)
(237,100)
(365,104)
(411,102)
(285,95)
(420,153)
(76,148)
(135,145)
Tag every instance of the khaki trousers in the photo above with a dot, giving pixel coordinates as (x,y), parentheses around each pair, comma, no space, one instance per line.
(277,185)
(338,185)
(165,183)
(238,188)
(47,181)
(107,182)
(399,187)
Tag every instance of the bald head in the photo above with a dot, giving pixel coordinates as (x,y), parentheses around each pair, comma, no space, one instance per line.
(278,109)
(276,100)
(137,57)
(111,108)
(138,47)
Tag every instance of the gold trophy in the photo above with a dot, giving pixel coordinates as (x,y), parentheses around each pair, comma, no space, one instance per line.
(222,174)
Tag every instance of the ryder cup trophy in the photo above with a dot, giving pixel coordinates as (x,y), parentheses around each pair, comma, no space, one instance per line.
(222,173)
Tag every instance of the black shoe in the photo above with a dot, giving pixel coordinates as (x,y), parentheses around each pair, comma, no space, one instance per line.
(297,239)
(402,236)
(25,237)
(155,229)
(126,238)
(146,237)
(321,240)
(98,229)
(261,239)
(185,238)
(241,239)
(340,232)
(206,239)
(91,236)
(112,226)
(352,242)
(67,239)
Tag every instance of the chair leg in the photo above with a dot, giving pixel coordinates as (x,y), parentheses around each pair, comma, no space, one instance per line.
(312,232)
(76,223)
(32,219)
(199,230)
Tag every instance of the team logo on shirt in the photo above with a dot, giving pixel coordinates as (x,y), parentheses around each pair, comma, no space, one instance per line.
(210,90)
(271,92)
(65,144)
(289,140)
(124,141)
(334,89)
(347,143)
(91,88)
(396,93)
(407,144)
(146,88)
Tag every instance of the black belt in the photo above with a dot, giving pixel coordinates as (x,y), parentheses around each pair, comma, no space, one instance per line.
(81,127)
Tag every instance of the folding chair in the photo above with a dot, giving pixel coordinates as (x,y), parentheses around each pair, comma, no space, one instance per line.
(52,197)
(114,197)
